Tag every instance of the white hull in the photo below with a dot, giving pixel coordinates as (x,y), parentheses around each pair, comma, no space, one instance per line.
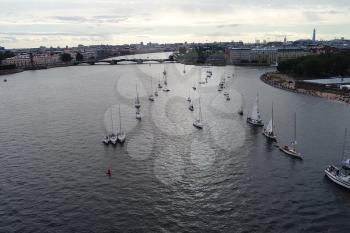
(336,179)
(114,140)
(121,138)
(291,153)
(272,137)
(255,122)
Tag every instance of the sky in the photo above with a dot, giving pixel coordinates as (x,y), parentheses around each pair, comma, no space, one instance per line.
(34,23)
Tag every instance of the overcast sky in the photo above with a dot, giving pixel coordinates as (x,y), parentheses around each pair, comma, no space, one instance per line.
(31,23)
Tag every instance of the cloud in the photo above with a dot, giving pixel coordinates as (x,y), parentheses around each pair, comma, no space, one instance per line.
(228,25)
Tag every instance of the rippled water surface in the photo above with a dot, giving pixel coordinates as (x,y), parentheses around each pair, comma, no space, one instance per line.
(168,177)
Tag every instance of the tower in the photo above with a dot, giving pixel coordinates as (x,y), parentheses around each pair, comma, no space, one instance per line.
(314,35)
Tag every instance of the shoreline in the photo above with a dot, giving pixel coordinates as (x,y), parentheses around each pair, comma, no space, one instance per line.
(284,82)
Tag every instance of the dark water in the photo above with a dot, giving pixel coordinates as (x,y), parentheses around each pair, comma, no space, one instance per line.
(168,177)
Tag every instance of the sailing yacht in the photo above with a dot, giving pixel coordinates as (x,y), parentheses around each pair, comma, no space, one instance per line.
(198,120)
(121,135)
(138,114)
(190,107)
(151,96)
(156,92)
(113,138)
(341,175)
(159,84)
(137,100)
(268,131)
(184,71)
(106,140)
(189,95)
(291,149)
(255,118)
(165,89)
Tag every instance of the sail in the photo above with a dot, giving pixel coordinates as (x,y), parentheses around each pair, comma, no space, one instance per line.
(255,113)
(269,128)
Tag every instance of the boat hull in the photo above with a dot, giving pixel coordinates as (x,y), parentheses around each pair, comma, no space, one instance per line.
(273,138)
(198,126)
(255,123)
(336,180)
(291,153)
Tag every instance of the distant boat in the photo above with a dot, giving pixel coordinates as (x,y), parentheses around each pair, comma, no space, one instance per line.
(138,114)
(190,107)
(184,71)
(291,149)
(137,100)
(159,84)
(228,98)
(156,92)
(151,96)
(5,80)
(113,137)
(341,175)
(121,135)
(255,118)
(198,120)
(106,140)
(268,131)
(189,95)
(165,89)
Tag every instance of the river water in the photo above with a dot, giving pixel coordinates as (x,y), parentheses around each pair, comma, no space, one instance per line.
(169,176)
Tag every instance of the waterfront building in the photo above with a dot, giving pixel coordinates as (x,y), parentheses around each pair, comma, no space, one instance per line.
(264,56)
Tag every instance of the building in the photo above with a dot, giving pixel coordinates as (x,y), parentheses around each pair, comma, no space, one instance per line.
(314,35)
(27,60)
(264,56)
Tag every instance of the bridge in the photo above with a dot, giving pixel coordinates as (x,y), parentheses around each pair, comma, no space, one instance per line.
(116,61)
(134,60)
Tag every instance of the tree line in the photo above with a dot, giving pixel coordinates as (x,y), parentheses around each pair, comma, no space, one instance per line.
(319,66)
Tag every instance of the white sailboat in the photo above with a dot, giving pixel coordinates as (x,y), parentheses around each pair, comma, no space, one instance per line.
(184,71)
(137,100)
(189,95)
(165,89)
(341,175)
(138,114)
(255,118)
(113,137)
(291,149)
(190,107)
(151,96)
(198,120)
(156,92)
(268,131)
(159,84)
(121,135)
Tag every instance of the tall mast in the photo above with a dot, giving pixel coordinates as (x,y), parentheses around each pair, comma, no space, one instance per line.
(272,118)
(295,127)
(345,135)
(120,121)
(200,109)
(112,120)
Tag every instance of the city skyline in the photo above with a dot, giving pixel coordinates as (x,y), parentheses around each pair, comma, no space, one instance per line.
(35,23)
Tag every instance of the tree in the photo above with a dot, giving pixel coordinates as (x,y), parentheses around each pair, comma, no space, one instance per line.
(79,57)
(66,57)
